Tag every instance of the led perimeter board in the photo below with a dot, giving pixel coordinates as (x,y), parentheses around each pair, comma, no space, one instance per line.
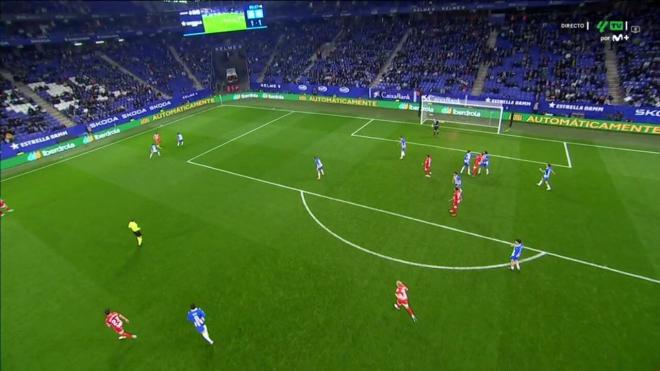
(216,20)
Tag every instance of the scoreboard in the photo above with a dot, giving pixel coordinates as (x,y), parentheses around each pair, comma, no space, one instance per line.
(216,20)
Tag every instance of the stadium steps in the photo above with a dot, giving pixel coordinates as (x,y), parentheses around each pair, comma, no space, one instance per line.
(326,49)
(39,101)
(612,73)
(262,74)
(388,64)
(482,73)
(131,74)
(183,64)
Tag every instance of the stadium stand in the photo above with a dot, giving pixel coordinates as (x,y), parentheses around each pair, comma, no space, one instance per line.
(150,60)
(532,59)
(361,50)
(639,63)
(77,82)
(20,116)
(301,41)
(439,56)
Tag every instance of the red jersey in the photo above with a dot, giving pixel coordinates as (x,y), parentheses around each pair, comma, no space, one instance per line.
(2,204)
(477,161)
(402,294)
(427,163)
(113,321)
(458,196)
(157,138)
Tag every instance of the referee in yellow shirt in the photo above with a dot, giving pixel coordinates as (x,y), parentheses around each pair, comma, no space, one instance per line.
(132,225)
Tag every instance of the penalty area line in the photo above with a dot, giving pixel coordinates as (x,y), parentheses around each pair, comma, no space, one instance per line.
(361,127)
(402,261)
(442,226)
(568,156)
(240,136)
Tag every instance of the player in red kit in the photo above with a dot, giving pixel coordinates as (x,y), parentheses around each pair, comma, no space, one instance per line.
(157,139)
(455,201)
(427,166)
(4,208)
(402,299)
(115,321)
(477,163)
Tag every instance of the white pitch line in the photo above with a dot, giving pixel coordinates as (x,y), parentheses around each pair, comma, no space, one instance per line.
(568,156)
(109,144)
(451,128)
(653,280)
(386,257)
(455,149)
(240,136)
(361,127)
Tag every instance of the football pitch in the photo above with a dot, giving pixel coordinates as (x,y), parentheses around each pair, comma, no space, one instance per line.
(299,274)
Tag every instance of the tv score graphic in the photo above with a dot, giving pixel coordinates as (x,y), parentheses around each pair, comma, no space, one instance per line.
(609,30)
(217,20)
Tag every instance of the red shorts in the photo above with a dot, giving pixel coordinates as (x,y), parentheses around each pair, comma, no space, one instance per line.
(402,302)
(118,330)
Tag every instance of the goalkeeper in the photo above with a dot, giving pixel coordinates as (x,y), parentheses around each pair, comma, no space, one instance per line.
(436,127)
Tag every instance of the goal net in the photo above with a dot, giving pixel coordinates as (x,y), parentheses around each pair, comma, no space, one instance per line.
(461,112)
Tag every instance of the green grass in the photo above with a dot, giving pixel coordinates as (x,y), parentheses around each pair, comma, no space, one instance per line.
(282,293)
(224,22)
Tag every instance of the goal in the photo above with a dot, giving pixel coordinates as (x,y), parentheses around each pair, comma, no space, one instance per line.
(462,112)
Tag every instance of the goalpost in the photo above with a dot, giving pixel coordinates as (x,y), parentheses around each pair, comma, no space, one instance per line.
(464,112)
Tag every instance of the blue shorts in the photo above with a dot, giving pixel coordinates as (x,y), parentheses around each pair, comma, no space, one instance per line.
(515,258)
(319,168)
(484,164)
(466,164)
(546,178)
(201,329)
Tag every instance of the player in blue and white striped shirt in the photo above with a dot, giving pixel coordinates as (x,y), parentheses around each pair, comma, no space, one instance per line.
(546,176)
(458,182)
(485,163)
(515,255)
(179,139)
(154,149)
(466,161)
(404,146)
(198,319)
(319,167)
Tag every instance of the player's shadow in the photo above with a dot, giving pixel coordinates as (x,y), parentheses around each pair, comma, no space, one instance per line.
(132,262)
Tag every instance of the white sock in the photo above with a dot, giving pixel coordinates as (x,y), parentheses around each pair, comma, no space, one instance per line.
(205,335)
